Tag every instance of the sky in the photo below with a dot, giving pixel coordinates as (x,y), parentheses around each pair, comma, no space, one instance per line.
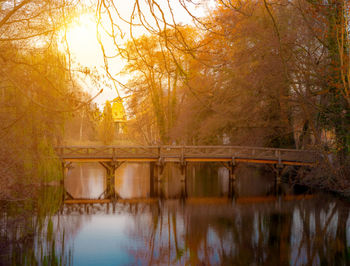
(85,49)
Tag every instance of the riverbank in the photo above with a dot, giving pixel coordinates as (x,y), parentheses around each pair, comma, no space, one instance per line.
(321,178)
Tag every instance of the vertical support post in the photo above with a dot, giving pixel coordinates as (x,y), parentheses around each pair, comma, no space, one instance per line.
(279,159)
(278,169)
(232,189)
(232,168)
(63,177)
(65,168)
(152,179)
(156,178)
(278,177)
(183,180)
(110,176)
(111,190)
(63,171)
(160,168)
(232,178)
(183,164)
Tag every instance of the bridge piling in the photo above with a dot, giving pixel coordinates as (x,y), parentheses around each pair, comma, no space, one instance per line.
(278,170)
(232,168)
(153,179)
(232,189)
(65,167)
(160,168)
(111,168)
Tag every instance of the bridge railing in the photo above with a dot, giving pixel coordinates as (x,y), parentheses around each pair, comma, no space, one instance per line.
(239,152)
(108,151)
(187,152)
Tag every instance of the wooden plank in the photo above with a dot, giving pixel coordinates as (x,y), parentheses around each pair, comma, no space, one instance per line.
(102,201)
(82,160)
(208,159)
(262,161)
(195,200)
(243,160)
(87,160)
(137,159)
(87,201)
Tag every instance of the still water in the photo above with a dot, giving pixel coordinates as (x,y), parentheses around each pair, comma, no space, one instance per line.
(200,221)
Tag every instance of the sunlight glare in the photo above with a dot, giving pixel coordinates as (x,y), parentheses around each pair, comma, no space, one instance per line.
(85,51)
(83,44)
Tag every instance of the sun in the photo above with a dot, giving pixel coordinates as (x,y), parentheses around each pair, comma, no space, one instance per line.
(82,41)
(85,51)
(83,29)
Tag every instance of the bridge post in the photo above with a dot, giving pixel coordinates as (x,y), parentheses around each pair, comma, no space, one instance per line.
(183,192)
(183,172)
(278,169)
(160,168)
(110,167)
(232,168)
(183,180)
(64,173)
(65,167)
(153,179)
(232,189)
(183,166)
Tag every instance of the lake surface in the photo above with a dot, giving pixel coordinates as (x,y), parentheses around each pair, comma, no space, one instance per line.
(205,220)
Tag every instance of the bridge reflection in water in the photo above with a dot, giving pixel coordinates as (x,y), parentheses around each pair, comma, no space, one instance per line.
(206,226)
(138,180)
(89,183)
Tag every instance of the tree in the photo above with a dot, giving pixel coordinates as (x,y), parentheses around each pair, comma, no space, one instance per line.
(321,89)
(158,76)
(107,128)
(335,112)
(38,92)
(238,92)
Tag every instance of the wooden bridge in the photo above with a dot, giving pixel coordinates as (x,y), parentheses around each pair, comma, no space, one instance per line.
(183,154)
(111,157)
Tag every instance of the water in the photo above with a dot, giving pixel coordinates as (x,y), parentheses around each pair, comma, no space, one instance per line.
(171,222)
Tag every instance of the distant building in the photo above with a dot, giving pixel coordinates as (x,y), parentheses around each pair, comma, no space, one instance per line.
(119,115)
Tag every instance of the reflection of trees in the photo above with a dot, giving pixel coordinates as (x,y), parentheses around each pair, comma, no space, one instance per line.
(27,231)
(303,232)
(204,180)
(324,238)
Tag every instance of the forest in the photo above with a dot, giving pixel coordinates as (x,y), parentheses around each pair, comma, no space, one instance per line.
(264,73)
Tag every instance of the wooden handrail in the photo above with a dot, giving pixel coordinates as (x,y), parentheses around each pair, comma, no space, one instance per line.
(184,147)
(168,150)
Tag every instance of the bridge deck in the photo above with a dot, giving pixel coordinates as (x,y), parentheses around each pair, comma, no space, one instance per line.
(182,154)
(195,200)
